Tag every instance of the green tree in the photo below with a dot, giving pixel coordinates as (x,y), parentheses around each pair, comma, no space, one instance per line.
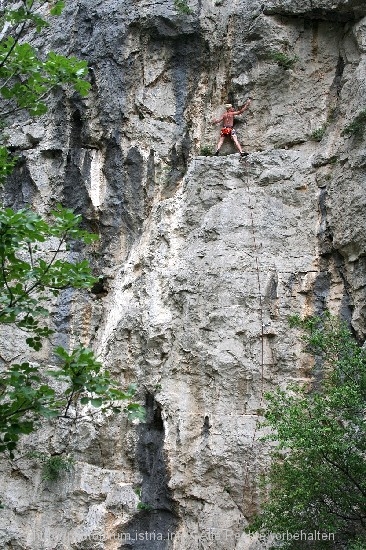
(33,269)
(29,278)
(29,275)
(317,481)
(27,75)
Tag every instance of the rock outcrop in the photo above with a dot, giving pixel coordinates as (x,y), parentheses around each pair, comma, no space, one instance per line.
(203,258)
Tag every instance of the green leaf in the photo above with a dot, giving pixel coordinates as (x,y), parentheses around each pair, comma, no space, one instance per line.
(97,402)
(57,8)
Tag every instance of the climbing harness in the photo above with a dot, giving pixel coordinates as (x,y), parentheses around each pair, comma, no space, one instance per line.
(227,131)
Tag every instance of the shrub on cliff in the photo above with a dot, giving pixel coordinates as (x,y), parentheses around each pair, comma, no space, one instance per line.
(357,127)
(283,60)
(317,482)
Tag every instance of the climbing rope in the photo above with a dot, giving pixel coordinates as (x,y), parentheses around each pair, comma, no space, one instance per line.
(261,314)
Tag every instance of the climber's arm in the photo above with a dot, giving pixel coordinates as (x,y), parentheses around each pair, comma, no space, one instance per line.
(217,120)
(243,108)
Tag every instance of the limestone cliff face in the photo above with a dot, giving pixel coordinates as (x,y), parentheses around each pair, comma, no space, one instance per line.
(203,258)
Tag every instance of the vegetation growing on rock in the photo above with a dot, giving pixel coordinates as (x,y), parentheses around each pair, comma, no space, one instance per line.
(317,478)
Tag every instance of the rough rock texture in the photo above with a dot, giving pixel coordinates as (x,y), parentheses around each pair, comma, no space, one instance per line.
(203,258)
(330,10)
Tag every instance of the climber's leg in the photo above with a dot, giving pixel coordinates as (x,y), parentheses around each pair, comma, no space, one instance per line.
(237,144)
(221,141)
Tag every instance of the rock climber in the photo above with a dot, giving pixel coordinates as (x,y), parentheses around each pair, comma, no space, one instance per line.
(227,129)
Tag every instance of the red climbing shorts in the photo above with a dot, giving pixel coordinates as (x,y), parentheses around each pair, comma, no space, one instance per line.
(227,131)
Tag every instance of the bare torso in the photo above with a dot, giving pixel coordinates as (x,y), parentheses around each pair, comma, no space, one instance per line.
(228,119)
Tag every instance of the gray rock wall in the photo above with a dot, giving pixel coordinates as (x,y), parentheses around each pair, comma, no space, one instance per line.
(203,258)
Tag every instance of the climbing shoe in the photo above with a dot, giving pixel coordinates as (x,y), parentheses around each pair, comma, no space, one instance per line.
(244,154)
(217,153)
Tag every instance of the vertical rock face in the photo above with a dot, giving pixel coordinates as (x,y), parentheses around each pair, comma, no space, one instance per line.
(202,258)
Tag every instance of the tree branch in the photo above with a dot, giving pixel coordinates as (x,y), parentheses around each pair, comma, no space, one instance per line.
(344,471)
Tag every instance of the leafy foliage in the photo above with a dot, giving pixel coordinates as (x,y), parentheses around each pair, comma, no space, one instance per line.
(206,151)
(318,134)
(27,283)
(144,506)
(27,276)
(27,394)
(317,480)
(26,78)
(88,383)
(182,7)
(283,60)
(31,269)
(23,398)
(7,163)
(357,126)
(53,466)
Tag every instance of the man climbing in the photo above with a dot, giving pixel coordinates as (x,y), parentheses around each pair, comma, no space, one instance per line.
(227,129)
